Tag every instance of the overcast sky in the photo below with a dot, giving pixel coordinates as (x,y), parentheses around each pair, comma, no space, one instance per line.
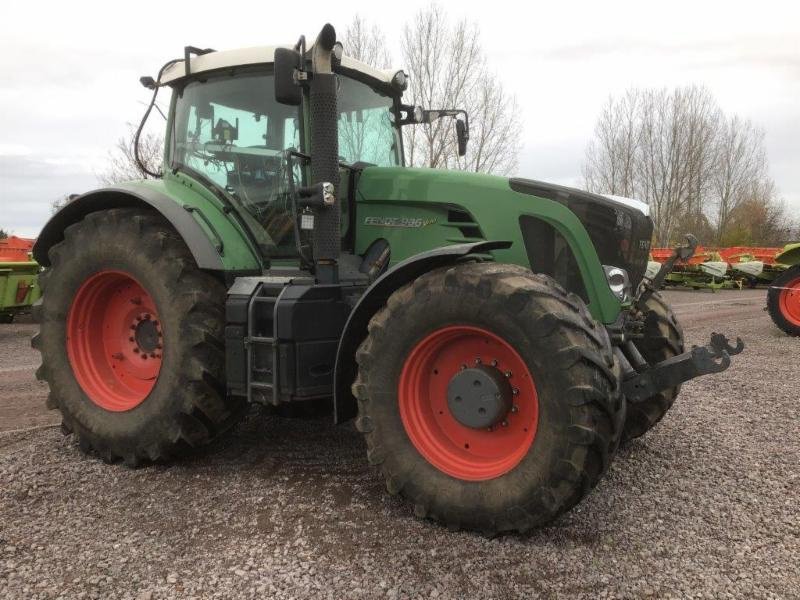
(69,73)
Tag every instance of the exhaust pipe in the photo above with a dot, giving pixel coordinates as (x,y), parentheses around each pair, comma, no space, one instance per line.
(326,238)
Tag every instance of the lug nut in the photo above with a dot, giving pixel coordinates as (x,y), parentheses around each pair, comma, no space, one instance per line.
(515,409)
(478,360)
(515,391)
(147,316)
(137,301)
(490,428)
(463,367)
(494,362)
(136,350)
(508,373)
(130,339)
(504,423)
(117,356)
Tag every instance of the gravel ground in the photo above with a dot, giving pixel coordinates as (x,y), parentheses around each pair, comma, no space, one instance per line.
(705,505)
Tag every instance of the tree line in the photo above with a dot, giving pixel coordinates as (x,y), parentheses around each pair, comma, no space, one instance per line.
(700,170)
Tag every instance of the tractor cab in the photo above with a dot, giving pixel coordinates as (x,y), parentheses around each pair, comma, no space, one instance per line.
(228,130)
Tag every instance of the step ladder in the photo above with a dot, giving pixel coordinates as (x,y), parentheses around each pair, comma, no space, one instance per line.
(263,380)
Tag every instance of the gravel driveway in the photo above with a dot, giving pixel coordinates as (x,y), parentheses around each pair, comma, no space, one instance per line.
(705,505)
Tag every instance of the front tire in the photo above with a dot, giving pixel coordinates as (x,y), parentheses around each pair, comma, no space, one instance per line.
(783,301)
(131,339)
(507,326)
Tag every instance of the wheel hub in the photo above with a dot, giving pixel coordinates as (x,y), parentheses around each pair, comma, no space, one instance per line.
(147,334)
(479,397)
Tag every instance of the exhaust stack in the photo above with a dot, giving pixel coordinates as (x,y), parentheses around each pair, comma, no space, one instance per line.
(326,240)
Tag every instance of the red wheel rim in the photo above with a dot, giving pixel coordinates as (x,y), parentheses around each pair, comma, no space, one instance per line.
(460,451)
(114,340)
(789,301)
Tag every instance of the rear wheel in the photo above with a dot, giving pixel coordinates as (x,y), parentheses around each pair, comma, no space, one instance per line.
(783,301)
(488,396)
(663,339)
(132,338)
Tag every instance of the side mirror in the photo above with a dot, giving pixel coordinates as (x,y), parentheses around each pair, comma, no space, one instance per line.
(462,134)
(286,63)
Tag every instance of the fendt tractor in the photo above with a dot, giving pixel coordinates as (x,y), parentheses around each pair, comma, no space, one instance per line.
(493,338)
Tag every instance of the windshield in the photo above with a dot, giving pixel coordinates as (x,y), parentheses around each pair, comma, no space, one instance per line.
(230,130)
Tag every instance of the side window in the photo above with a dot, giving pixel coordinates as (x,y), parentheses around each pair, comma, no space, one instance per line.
(366,128)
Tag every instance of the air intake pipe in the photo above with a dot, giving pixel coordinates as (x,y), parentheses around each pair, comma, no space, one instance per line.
(326,237)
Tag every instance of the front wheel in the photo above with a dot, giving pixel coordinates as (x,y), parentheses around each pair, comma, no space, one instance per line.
(783,301)
(131,338)
(488,396)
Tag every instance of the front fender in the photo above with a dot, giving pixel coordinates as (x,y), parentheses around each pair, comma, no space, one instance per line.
(214,241)
(355,329)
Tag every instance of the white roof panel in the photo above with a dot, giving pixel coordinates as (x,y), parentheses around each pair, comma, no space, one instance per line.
(254,56)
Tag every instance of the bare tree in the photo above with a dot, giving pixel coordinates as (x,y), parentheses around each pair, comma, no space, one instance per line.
(741,169)
(122,164)
(366,43)
(447,69)
(675,150)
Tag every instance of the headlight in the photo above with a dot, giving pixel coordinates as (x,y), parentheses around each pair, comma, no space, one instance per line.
(618,282)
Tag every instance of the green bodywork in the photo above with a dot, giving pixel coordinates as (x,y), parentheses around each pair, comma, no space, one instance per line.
(409,208)
(19,286)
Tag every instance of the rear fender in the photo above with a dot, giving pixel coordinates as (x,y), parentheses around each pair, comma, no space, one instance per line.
(215,243)
(355,329)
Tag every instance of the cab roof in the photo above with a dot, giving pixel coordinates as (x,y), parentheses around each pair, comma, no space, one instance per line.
(255,56)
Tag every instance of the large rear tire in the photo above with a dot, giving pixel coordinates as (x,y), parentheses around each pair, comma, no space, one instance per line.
(543,352)
(783,301)
(663,339)
(131,339)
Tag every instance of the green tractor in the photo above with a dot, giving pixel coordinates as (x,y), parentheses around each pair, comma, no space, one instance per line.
(489,336)
(783,296)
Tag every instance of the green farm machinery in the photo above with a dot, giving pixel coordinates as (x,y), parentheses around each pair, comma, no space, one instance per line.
(19,287)
(493,338)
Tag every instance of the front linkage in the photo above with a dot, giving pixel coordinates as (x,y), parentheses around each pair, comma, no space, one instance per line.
(641,380)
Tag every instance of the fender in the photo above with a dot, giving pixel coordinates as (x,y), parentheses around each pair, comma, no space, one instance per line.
(790,255)
(205,241)
(355,329)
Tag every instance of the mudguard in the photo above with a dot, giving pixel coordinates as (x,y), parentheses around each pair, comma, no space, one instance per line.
(203,227)
(355,329)
(790,255)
